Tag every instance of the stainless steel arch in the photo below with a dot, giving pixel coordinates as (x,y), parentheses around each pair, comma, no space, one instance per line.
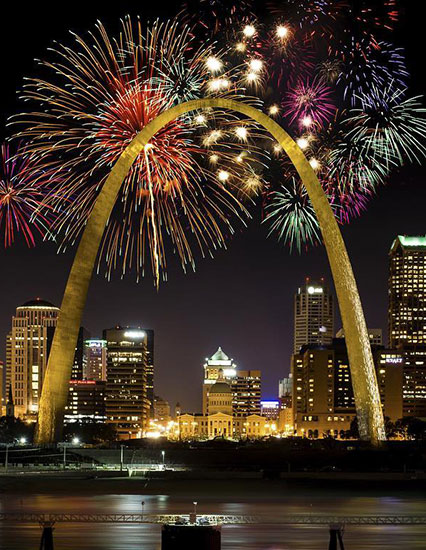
(55,385)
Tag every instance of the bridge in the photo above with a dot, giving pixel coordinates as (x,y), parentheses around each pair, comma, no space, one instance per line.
(212,519)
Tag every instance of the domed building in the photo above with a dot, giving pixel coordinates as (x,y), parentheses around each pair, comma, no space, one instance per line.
(219,398)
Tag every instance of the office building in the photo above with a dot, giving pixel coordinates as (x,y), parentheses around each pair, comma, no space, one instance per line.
(407,317)
(127,405)
(27,349)
(79,366)
(313,315)
(323,400)
(86,401)
(375,335)
(270,409)
(95,351)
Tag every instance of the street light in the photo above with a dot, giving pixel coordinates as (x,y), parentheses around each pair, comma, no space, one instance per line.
(75,440)
(22,440)
(142,504)
(195,507)
(163,454)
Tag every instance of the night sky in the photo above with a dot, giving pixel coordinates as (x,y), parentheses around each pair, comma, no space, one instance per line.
(241,300)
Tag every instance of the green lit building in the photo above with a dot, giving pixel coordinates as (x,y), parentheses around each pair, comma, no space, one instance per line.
(407,317)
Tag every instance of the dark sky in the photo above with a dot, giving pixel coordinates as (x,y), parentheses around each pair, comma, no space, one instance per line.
(242,299)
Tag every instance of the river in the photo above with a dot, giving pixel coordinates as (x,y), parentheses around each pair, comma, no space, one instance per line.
(221,497)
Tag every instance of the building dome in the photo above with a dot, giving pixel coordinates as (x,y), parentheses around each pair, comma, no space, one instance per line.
(37,303)
(220,387)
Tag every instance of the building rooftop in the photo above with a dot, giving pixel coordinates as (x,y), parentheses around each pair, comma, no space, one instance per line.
(409,241)
(38,303)
(220,387)
(219,355)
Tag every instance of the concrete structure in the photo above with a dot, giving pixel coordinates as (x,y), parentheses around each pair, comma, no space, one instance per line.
(127,406)
(313,315)
(96,359)
(27,351)
(407,317)
(55,389)
(86,401)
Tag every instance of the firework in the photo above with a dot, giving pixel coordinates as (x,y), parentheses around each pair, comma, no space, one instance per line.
(213,16)
(365,65)
(389,126)
(291,216)
(103,93)
(21,196)
(308,101)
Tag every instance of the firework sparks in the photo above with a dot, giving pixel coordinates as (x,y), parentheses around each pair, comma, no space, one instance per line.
(308,102)
(291,216)
(20,197)
(106,95)
(389,126)
(365,65)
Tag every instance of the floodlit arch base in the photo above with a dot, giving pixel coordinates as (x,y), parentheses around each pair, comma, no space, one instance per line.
(55,386)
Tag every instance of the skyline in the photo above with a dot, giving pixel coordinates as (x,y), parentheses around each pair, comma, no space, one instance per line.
(248,287)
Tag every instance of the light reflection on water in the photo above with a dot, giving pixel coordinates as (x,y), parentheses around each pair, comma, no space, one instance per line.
(250,537)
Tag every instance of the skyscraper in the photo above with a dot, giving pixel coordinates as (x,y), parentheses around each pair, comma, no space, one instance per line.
(245,384)
(95,351)
(407,317)
(150,367)
(127,405)
(323,400)
(313,315)
(80,358)
(27,349)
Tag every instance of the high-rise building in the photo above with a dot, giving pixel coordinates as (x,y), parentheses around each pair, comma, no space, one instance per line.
(407,292)
(95,351)
(86,401)
(127,405)
(79,366)
(323,400)
(245,384)
(150,367)
(375,335)
(313,315)
(27,349)
(407,317)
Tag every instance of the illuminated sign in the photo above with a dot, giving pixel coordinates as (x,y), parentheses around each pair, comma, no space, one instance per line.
(314,290)
(134,334)
(270,404)
(394,360)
